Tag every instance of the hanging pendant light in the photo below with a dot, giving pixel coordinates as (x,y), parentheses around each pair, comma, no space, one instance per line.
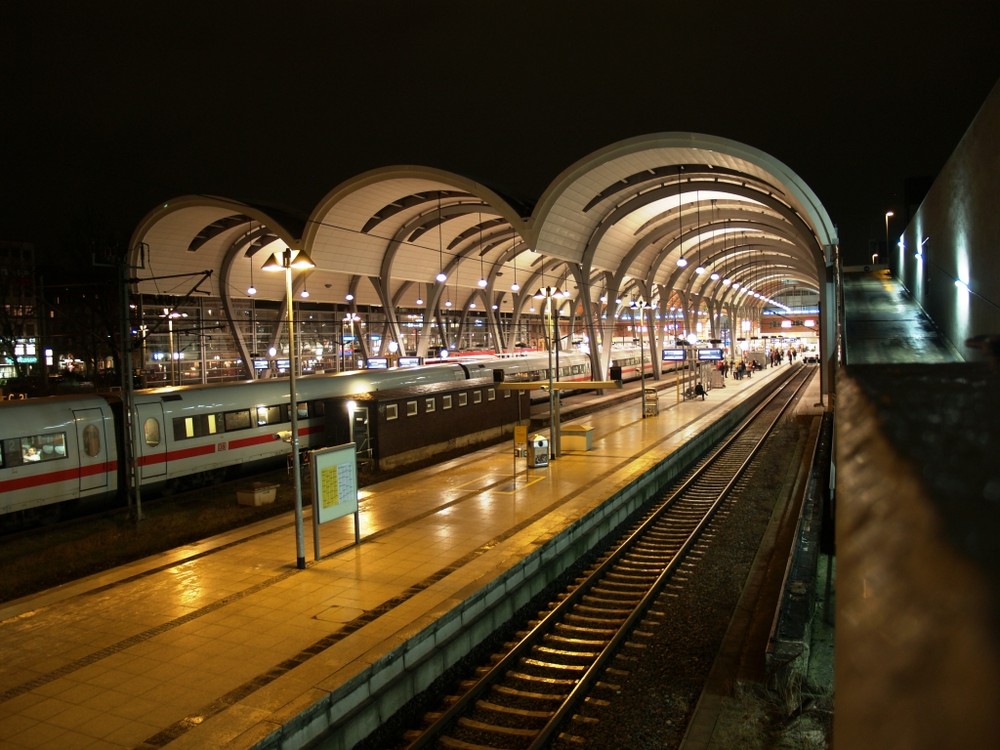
(699,269)
(736,284)
(515,287)
(251,290)
(681,261)
(715,208)
(482,270)
(441,276)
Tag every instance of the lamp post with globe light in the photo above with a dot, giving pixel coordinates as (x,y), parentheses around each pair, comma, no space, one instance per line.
(285,261)
(888,215)
(639,305)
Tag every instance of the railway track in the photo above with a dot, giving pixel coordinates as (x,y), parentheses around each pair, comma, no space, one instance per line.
(534,693)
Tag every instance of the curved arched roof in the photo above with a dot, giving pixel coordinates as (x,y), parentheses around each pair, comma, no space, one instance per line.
(619,219)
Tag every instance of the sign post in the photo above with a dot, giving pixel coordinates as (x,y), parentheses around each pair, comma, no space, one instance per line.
(335,487)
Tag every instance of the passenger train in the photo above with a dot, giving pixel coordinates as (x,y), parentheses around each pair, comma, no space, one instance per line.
(64,448)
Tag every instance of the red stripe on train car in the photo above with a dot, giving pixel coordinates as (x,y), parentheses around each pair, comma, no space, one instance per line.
(205,450)
(51,477)
(255,440)
(159,458)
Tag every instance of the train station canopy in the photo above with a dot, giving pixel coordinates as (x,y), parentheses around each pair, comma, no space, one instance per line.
(677,220)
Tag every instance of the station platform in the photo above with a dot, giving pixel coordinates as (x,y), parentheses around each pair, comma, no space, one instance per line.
(226,644)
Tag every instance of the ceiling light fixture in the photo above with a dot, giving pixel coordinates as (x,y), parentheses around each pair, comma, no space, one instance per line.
(482,270)
(699,269)
(251,290)
(681,261)
(515,287)
(441,277)
(715,208)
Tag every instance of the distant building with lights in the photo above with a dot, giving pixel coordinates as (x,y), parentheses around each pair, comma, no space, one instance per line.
(19,312)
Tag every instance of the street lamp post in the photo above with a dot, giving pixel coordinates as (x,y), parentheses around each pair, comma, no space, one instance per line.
(888,215)
(549,294)
(639,305)
(286,261)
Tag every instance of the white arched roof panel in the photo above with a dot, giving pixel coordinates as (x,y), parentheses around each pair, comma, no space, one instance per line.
(338,240)
(567,215)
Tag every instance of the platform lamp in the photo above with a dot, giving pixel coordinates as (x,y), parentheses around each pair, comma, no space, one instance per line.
(286,261)
(549,294)
(639,305)
(888,215)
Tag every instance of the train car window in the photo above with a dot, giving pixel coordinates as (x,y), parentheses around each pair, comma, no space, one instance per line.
(391,412)
(491,394)
(477,397)
(271,415)
(151,431)
(446,401)
(317,408)
(429,405)
(196,426)
(303,411)
(236,420)
(32,448)
(52,446)
(91,441)
(411,408)
(506,394)
(463,399)
(11,453)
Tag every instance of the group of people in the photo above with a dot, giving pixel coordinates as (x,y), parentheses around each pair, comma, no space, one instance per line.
(740,370)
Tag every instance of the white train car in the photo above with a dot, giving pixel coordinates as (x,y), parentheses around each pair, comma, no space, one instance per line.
(56,449)
(191,434)
(63,448)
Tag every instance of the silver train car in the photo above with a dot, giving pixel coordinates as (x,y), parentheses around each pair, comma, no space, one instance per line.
(63,448)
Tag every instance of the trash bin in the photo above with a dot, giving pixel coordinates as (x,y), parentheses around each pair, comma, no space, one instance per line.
(650,403)
(538,451)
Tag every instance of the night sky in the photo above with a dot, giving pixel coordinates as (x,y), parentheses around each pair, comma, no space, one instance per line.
(113,107)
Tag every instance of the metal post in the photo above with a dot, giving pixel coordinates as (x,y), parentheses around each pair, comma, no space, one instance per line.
(129,409)
(553,396)
(173,354)
(300,548)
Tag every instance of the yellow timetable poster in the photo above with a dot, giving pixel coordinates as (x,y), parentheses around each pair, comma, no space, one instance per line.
(337,485)
(335,481)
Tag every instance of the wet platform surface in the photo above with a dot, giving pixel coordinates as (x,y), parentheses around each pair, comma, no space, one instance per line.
(883,325)
(220,644)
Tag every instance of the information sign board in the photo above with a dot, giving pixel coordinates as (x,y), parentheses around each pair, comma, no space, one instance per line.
(673,355)
(710,355)
(335,481)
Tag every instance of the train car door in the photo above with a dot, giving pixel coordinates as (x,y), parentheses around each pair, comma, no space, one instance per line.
(152,441)
(92,444)
(360,435)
